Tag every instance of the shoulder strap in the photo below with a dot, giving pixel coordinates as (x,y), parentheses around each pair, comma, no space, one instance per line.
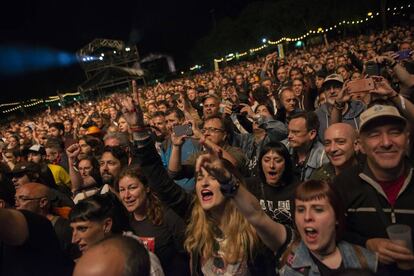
(361,258)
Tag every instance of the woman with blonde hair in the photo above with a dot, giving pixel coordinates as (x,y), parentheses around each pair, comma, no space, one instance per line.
(219,239)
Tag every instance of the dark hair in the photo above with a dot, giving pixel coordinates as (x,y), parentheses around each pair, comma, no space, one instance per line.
(118,153)
(319,189)
(269,107)
(57,125)
(7,190)
(95,143)
(55,143)
(95,173)
(216,117)
(178,113)
(158,114)
(279,148)
(260,94)
(99,207)
(312,121)
(155,211)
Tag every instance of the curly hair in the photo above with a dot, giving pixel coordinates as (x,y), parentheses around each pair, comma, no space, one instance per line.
(154,207)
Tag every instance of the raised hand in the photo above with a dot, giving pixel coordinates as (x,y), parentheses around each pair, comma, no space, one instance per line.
(73,151)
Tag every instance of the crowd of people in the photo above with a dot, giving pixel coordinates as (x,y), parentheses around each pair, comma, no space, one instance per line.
(293,165)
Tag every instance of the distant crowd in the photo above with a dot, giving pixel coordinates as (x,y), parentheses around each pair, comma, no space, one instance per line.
(294,165)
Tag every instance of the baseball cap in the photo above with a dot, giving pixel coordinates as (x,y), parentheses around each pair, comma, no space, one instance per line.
(38,149)
(23,167)
(93,130)
(333,78)
(377,112)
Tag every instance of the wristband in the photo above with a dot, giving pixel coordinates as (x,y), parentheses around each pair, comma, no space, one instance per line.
(230,187)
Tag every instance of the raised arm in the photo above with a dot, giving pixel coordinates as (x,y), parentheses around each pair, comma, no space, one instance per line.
(272,234)
(76,179)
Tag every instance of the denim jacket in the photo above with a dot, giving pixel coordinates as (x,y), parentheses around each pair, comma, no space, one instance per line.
(300,262)
(317,157)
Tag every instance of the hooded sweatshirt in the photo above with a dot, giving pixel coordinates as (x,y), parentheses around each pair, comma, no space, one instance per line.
(350,117)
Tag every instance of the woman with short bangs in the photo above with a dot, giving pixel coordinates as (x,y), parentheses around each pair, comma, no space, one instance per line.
(319,220)
(158,227)
(275,184)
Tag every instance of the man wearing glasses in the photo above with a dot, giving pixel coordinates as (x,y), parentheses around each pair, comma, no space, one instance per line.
(35,197)
(212,136)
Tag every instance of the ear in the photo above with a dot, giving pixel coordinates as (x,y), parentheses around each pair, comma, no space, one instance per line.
(357,146)
(360,146)
(2,203)
(43,202)
(107,225)
(312,134)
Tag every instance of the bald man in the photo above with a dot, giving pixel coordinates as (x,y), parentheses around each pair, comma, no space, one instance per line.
(340,142)
(118,255)
(34,197)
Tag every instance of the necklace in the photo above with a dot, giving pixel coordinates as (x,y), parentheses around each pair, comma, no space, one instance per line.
(324,255)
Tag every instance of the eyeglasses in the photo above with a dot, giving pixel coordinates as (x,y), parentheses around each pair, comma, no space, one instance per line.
(211,129)
(23,198)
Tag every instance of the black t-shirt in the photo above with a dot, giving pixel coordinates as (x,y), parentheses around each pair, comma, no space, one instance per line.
(166,241)
(39,255)
(277,202)
(324,270)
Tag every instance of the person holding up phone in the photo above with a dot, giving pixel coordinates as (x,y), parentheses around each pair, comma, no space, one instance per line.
(406,80)
(339,106)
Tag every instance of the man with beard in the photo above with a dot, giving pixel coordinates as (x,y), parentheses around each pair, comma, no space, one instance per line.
(159,127)
(175,117)
(113,160)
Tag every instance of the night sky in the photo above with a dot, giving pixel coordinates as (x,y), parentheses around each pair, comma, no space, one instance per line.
(170,27)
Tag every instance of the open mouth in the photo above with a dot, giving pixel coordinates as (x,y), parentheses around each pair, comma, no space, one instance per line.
(311,233)
(272,173)
(206,195)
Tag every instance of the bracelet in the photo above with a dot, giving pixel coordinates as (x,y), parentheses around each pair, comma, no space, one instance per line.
(230,187)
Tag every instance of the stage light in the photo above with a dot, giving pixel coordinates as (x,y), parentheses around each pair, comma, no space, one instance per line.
(100,58)
(127,49)
(114,52)
(370,13)
(264,40)
(102,54)
(83,59)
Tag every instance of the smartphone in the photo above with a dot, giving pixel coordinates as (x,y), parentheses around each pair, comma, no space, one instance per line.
(175,97)
(181,130)
(405,54)
(362,85)
(372,68)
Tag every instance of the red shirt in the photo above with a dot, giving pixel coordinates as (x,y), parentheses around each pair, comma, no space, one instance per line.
(392,188)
